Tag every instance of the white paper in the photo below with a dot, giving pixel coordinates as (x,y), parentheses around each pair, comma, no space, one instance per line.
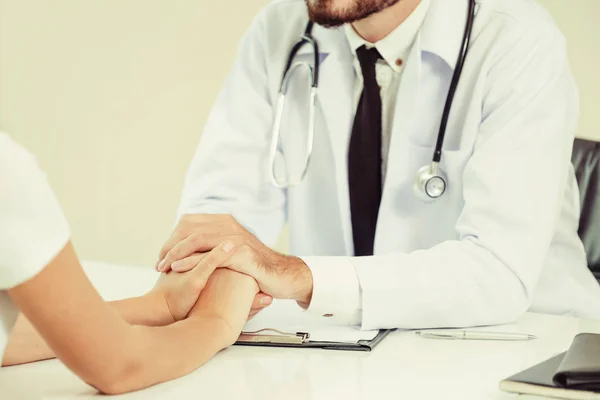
(287,316)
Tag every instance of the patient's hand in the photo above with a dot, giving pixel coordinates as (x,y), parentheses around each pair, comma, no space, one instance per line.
(180,291)
(227,295)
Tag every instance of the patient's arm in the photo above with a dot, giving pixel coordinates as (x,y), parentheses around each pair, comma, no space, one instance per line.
(170,300)
(96,343)
(26,345)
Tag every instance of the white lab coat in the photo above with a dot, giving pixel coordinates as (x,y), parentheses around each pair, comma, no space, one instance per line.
(503,238)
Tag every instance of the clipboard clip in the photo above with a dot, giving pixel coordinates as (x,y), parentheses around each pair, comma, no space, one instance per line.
(278,337)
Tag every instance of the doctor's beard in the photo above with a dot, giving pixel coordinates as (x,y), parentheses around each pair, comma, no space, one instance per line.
(332,13)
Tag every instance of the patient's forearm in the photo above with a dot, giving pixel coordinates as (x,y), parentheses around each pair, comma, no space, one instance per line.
(26,345)
(160,354)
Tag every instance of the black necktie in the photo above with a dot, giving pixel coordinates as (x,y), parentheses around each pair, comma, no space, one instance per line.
(364,157)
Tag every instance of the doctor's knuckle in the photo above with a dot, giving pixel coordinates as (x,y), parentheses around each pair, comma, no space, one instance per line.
(181,232)
(198,238)
(172,255)
(164,250)
(245,251)
(217,218)
(235,241)
(236,228)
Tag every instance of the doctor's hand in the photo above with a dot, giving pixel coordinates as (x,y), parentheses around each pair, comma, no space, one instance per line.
(278,275)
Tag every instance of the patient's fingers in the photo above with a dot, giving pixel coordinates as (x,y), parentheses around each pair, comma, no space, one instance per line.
(188,263)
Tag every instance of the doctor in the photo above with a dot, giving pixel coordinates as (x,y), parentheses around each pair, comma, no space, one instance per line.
(439,190)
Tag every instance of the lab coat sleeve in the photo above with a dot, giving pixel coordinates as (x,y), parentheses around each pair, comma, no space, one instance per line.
(228,173)
(513,186)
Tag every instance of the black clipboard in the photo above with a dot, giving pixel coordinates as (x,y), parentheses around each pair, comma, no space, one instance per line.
(302,340)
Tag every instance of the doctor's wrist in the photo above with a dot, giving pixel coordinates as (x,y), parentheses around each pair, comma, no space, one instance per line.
(302,284)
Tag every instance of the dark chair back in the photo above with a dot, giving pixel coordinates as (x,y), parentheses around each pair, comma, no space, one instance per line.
(586,160)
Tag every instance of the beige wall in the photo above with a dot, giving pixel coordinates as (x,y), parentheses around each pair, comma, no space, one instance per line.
(578,20)
(112,96)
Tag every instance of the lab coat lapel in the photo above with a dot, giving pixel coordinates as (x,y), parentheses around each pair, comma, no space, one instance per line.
(335,103)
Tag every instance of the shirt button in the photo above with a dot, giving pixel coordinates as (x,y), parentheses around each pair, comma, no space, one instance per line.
(399,62)
(327,315)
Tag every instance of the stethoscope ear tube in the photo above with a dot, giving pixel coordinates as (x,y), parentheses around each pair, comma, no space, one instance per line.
(313,81)
(307,38)
(276,131)
(275,141)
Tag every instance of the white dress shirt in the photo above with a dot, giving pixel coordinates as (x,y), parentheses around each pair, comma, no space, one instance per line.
(339,292)
(394,48)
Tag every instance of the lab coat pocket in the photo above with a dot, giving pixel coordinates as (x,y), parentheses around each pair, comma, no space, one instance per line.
(452,163)
(437,219)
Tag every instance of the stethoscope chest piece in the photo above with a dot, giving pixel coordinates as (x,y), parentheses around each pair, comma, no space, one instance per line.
(430,183)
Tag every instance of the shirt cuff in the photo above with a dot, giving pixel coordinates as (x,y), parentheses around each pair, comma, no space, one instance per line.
(336,290)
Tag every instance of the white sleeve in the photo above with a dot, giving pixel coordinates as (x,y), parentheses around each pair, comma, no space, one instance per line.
(336,291)
(33,229)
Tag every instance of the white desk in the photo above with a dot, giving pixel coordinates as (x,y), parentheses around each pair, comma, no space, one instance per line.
(402,366)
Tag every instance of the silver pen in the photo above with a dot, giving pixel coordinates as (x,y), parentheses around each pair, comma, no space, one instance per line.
(473,335)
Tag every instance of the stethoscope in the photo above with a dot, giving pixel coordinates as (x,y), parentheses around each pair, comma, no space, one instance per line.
(431,182)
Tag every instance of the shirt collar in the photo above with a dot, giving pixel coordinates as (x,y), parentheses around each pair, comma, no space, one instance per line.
(397,44)
(443,29)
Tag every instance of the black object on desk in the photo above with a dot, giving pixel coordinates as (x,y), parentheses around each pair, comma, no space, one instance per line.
(573,374)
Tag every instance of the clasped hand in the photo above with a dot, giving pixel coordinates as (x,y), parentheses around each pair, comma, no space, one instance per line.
(197,245)
(224,294)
